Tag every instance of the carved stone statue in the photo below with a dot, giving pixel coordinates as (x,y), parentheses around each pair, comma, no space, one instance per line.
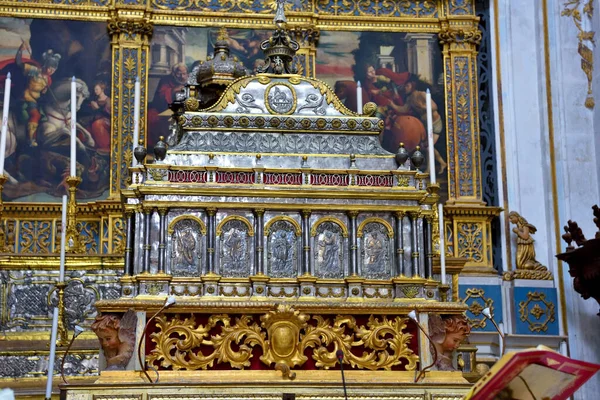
(117,338)
(447,333)
(525,249)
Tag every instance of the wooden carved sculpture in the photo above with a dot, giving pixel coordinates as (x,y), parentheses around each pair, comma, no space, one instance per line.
(583,260)
(117,338)
(447,333)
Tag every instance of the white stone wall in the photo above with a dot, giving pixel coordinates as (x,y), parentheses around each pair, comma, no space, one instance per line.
(529,125)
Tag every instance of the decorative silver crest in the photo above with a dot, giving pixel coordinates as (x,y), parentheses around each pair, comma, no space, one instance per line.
(280,99)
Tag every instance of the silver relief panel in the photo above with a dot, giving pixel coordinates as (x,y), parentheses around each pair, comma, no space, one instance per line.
(376,260)
(329,251)
(282,248)
(187,248)
(234,246)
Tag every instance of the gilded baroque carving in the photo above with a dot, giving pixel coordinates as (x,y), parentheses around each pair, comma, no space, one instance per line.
(577,10)
(283,335)
(536,306)
(470,241)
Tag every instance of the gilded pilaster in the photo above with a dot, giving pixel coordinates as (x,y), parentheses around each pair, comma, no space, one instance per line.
(469,217)
(130,37)
(306,57)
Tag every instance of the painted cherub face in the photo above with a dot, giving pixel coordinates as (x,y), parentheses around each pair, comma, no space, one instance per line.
(109,339)
(452,341)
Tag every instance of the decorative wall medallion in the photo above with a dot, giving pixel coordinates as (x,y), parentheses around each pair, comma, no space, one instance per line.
(536,306)
(280,98)
(476,306)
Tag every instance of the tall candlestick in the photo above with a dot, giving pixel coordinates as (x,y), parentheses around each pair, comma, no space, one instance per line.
(359,99)
(430,143)
(52,353)
(73,171)
(442,243)
(4,123)
(63,239)
(136,118)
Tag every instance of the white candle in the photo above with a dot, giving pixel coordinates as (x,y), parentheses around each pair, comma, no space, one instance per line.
(4,123)
(430,137)
(136,118)
(63,238)
(442,243)
(73,126)
(53,335)
(359,100)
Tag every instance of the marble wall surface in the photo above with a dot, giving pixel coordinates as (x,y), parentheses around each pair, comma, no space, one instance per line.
(545,122)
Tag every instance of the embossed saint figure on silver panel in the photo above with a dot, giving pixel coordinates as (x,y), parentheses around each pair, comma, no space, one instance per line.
(282,250)
(375,252)
(186,248)
(328,255)
(234,250)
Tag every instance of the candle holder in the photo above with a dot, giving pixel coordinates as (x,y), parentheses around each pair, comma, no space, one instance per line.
(63,332)
(3,239)
(73,242)
(444,289)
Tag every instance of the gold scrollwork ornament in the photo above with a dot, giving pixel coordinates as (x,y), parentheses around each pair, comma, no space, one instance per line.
(283,334)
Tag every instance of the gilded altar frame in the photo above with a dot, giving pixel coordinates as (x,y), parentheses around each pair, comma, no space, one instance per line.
(130,26)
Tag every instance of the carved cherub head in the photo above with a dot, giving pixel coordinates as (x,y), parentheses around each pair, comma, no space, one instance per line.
(457,329)
(447,333)
(117,337)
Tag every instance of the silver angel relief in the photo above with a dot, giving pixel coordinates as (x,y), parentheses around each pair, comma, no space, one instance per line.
(234,254)
(329,251)
(186,253)
(375,252)
(282,250)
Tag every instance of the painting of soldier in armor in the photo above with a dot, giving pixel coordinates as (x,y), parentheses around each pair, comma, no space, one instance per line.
(42,56)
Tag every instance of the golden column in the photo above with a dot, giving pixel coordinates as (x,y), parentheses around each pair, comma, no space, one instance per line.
(130,32)
(307,37)
(467,218)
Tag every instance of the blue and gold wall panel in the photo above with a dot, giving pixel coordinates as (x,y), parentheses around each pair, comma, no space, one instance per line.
(536,311)
(478,297)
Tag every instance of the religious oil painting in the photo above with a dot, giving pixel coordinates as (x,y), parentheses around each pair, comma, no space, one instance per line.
(42,56)
(395,70)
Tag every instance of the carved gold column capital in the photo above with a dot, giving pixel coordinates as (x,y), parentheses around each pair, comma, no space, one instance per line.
(353,213)
(162,211)
(211,211)
(306,213)
(259,211)
(306,36)
(147,209)
(400,214)
(450,35)
(129,28)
